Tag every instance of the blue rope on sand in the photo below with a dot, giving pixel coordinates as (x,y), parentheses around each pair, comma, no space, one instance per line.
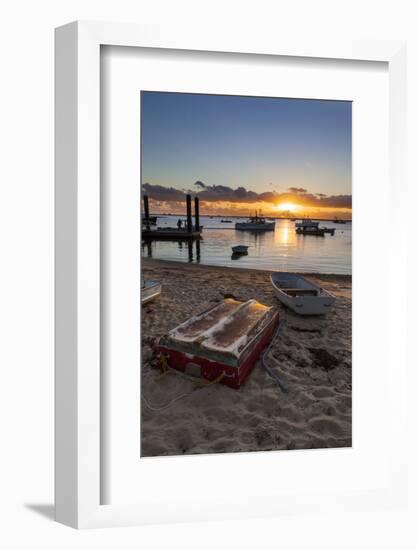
(275,378)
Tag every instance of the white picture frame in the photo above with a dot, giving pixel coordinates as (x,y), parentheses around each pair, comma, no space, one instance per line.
(77,242)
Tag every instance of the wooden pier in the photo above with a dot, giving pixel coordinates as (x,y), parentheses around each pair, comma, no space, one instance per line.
(190,232)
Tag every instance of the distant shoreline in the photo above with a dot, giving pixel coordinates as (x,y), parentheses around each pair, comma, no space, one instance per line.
(292,218)
(155,263)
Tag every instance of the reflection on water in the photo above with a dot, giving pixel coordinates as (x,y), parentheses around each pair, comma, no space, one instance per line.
(192,249)
(281,249)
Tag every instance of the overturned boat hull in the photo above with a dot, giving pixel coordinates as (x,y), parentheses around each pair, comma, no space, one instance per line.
(223,343)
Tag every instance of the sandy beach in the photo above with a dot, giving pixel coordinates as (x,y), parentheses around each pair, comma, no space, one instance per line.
(312,355)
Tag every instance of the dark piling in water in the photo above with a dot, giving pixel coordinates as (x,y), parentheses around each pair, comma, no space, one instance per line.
(189,215)
(146,210)
(197,213)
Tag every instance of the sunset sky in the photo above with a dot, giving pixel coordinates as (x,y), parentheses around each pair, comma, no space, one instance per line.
(241,154)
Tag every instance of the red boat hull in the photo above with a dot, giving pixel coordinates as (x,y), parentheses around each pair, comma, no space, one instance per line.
(232,376)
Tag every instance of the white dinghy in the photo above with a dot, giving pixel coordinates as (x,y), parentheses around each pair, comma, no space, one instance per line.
(300,295)
(150,290)
(240,249)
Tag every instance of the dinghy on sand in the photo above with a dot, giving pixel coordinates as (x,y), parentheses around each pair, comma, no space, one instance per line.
(223,343)
(300,295)
(149,291)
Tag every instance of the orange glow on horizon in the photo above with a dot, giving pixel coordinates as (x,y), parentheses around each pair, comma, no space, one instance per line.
(286,207)
(226,208)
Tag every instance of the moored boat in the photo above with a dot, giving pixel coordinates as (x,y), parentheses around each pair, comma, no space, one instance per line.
(240,249)
(255,223)
(309,227)
(149,291)
(311,230)
(301,295)
(307,222)
(152,220)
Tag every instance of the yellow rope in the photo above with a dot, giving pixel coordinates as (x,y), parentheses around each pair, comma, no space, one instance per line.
(163,363)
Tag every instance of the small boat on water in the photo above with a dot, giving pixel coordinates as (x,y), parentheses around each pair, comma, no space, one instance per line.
(307,222)
(240,249)
(152,220)
(337,220)
(311,230)
(309,227)
(301,295)
(225,221)
(149,291)
(255,223)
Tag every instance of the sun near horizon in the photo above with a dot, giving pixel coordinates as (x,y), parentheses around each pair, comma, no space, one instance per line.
(286,207)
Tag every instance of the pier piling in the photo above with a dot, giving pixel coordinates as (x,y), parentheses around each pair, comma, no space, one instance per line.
(189,215)
(188,232)
(197,213)
(146,209)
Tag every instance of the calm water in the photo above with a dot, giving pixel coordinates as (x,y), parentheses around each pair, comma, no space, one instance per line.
(281,249)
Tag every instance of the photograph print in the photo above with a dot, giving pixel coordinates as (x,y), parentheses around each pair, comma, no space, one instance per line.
(246,274)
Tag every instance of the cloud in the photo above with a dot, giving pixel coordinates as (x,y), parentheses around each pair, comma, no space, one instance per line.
(337,201)
(161,193)
(297,190)
(223,193)
(212,193)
